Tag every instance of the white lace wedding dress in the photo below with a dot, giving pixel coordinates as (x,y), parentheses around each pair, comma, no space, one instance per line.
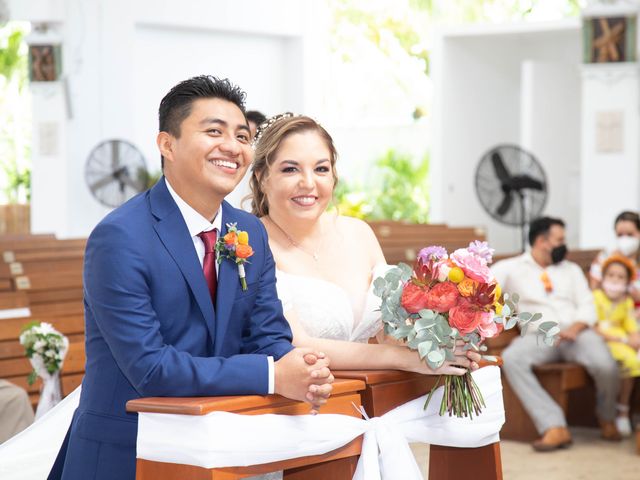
(325,310)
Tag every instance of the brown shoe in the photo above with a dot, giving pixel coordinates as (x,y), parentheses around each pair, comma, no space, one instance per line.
(553,439)
(610,432)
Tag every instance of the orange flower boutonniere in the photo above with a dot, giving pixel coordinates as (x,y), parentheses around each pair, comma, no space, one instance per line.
(235,247)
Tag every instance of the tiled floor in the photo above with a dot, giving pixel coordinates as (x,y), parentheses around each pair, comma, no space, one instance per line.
(589,458)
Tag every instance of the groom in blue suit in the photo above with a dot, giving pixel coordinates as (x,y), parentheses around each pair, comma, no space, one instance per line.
(153,327)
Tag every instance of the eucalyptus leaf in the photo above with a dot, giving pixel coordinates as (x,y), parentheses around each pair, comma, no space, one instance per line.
(498,319)
(536,316)
(506,310)
(515,298)
(553,331)
(511,323)
(424,348)
(435,358)
(525,316)
(545,326)
(426,313)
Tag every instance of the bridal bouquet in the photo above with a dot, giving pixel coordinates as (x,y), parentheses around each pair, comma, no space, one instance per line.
(445,299)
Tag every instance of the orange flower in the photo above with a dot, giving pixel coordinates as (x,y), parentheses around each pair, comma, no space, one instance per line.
(243,251)
(230,238)
(414,297)
(443,297)
(467,287)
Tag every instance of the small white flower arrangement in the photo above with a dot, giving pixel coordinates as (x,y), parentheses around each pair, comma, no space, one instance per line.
(45,347)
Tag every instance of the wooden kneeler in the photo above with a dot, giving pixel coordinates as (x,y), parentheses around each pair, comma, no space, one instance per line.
(387,389)
(338,464)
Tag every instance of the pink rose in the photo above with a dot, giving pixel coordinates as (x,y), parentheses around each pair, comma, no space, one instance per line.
(465,317)
(474,266)
(487,327)
(443,297)
(414,297)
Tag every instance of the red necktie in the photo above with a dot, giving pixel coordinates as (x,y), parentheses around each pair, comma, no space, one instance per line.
(209,261)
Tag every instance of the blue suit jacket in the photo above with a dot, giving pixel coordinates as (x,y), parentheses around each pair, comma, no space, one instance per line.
(152,330)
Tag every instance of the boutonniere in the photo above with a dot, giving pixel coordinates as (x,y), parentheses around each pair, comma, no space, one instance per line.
(235,247)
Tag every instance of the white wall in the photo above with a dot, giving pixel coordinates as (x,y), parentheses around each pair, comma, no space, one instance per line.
(478,91)
(611,180)
(121,57)
(550,109)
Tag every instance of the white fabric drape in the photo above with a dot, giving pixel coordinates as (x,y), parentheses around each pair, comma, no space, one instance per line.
(31,453)
(222,439)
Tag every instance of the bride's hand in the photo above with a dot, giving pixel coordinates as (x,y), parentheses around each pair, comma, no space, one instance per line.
(465,360)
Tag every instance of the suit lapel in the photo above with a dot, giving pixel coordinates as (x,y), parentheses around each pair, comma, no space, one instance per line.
(174,235)
(228,281)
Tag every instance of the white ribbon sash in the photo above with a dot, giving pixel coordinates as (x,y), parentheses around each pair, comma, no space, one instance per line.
(222,439)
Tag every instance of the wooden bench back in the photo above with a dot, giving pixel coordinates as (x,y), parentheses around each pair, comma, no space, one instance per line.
(45,276)
(401,241)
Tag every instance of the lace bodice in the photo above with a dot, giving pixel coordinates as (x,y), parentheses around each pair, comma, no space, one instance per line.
(326,310)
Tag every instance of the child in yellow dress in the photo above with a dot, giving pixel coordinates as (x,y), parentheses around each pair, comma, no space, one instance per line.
(617,325)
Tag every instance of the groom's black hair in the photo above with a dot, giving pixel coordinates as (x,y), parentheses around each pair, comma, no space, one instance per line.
(176,105)
(542,226)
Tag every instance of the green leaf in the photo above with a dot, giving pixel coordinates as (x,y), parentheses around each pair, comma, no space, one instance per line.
(515,298)
(525,316)
(511,323)
(33,376)
(435,358)
(427,314)
(424,348)
(536,316)
(506,310)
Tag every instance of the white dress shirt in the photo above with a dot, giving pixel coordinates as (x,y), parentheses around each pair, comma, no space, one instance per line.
(196,223)
(569,301)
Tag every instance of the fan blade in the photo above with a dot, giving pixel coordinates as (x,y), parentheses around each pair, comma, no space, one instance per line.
(115,155)
(520,182)
(103,182)
(127,180)
(499,167)
(505,205)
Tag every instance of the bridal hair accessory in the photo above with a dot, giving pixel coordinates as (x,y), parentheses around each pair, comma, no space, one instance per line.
(446,300)
(235,247)
(264,126)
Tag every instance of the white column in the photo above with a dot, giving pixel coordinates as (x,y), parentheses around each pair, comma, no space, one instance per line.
(610,164)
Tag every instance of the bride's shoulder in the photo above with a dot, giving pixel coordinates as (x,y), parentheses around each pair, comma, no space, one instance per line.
(352,225)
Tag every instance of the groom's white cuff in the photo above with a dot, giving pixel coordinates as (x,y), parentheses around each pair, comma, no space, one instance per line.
(272,376)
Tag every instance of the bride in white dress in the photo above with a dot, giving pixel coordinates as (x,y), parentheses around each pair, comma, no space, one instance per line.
(326,262)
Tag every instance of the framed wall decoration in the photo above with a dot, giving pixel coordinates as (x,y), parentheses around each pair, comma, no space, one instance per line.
(609,39)
(45,62)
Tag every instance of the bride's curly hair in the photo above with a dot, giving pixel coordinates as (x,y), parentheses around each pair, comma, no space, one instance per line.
(270,136)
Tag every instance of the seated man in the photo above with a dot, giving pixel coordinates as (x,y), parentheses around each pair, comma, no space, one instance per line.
(558,289)
(16,413)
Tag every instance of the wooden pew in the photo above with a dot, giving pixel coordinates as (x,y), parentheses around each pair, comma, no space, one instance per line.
(402,241)
(387,389)
(15,366)
(338,464)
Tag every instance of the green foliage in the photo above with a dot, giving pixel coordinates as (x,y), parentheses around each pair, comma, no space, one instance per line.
(18,180)
(395,189)
(12,60)
(15,127)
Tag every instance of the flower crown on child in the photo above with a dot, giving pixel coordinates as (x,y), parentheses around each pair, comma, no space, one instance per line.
(624,261)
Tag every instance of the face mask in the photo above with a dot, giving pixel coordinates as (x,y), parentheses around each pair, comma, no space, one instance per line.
(613,289)
(558,254)
(628,244)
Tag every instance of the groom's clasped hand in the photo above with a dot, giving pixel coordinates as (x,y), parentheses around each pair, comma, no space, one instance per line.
(303,374)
